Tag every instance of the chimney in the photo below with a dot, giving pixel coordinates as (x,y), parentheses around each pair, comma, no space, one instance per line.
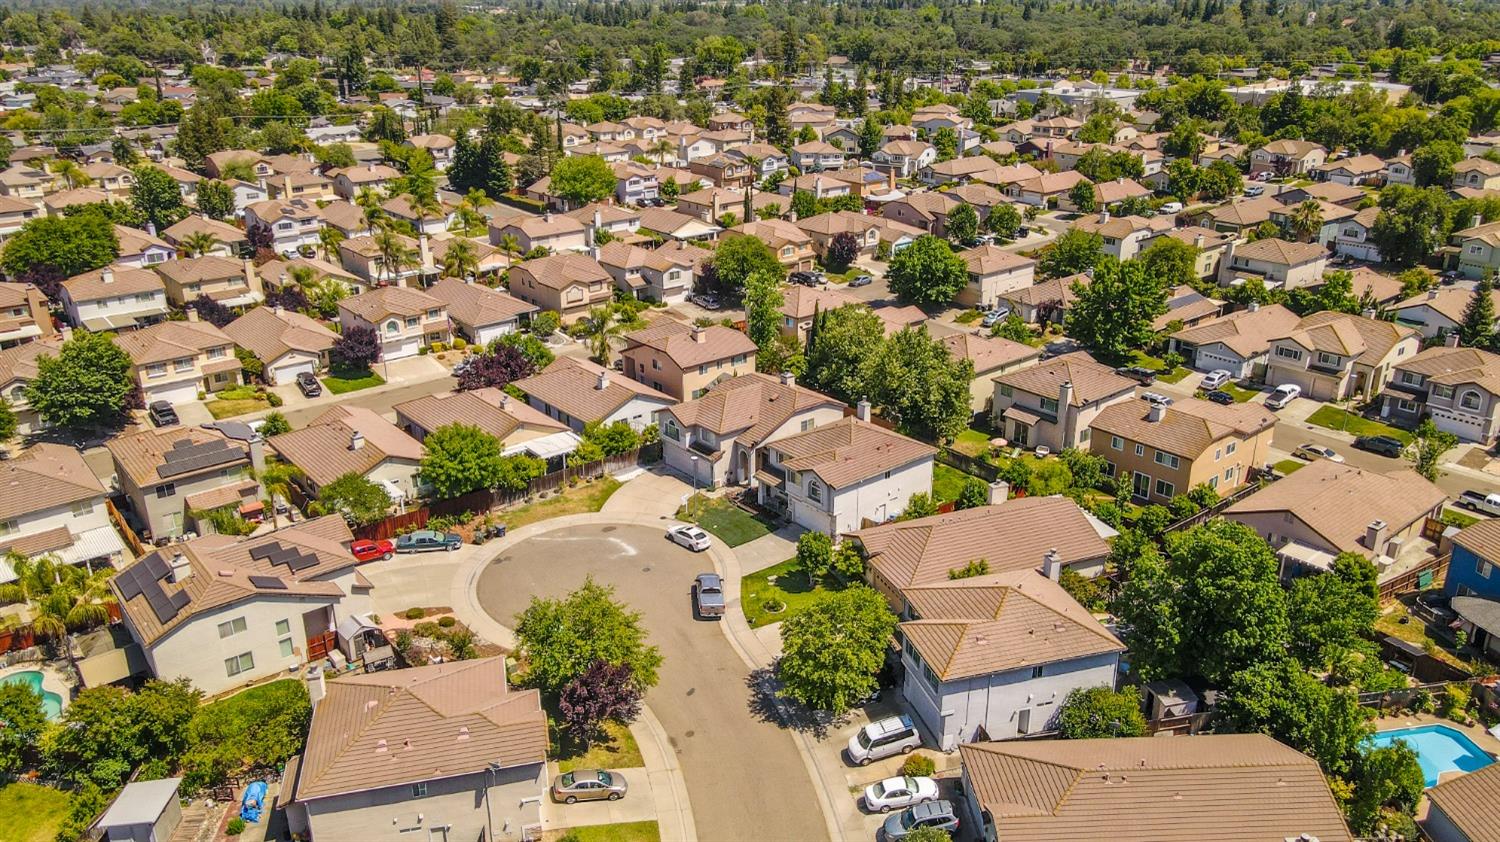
(788,378)
(1052,564)
(1477,221)
(1198,241)
(107,275)
(862,410)
(1156,413)
(286,186)
(598,220)
(181,568)
(424,253)
(1368,312)
(602,381)
(595,253)
(1451,340)
(191,313)
(1375,535)
(279,310)
(504,401)
(1432,293)
(999,492)
(252,277)
(700,334)
(317,688)
(356,440)
(1253,306)
(66,331)
(1104,216)
(1064,396)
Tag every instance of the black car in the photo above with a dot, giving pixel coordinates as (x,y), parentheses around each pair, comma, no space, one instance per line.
(806,279)
(1383,445)
(162,414)
(1139,374)
(1221,397)
(309,384)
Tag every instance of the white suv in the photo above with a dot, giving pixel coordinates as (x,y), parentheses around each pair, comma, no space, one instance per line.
(893,735)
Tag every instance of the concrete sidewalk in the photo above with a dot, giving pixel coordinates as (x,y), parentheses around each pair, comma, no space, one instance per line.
(768,550)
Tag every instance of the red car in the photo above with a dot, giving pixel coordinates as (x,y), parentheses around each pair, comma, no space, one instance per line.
(371,550)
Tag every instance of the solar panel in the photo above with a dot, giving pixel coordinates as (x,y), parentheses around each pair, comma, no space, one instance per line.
(180,600)
(268,582)
(302,562)
(157,565)
(265,550)
(144,579)
(129,582)
(186,457)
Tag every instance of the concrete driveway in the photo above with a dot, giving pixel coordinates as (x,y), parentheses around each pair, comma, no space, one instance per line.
(745,776)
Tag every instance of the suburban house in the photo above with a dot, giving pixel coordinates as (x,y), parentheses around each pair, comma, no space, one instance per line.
(1238,342)
(1462,808)
(600,219)
(1475,251)
(168,473)
(635,184)
(175,361)
(683,360)
(926,211)
(1277,262)
(711,203)
(1125,236)
(1240,216)
(362,257)
(14,214)
(1398,170)
(717,439)
(1044,301)
(481,314)
(1187,306)
(220,164)
(361,777)
(286,342)
(1332,219)
(1226,787)
(1476,174)
(1356,170)
(1110,193)
(229,241)
(577,392)
(836,477)
(1284,158)
(1170,450)
(681,227)
(113,298)
(232,283)
(440,146)
(26,318)
(569,283)
(519,428)
(1054,404)
(816,155)
(792,246)
(1354,239)
(662,274)
(991,356)
(224,612)
(405,319)
(1326,508)
(1438,311)
(352,440)
(1335,356)
(825,227)
(18,367)
(799,304)
(348,182)
(52,504)
(1474,570)
(1047,189)
(289,224)
(1458,388)
(554,231)
(904,158)
(993,272)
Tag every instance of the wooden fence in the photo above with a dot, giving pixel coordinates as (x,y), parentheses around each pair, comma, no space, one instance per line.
(1415,578)
(968,464)
(1258,480)
(124,528)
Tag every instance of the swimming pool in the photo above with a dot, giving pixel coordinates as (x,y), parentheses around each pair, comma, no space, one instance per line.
(1439,749)
(51,702)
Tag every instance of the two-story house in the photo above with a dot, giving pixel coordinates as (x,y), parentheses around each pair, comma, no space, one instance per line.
(349,181)
(711,203)
(287,224)
(233,283)
(1354,170)
(1354,236)
(114,298)
(635,184)
(168,473)
(1476,174)
(1336,356)
(439,146)
(52,504)
(816,156)
(579,392)
(1398,170)
(1458,388)
(568,283)
(1283,158)
(229,241)
(1238,342)
(1210,248)
(993,271)
(405,319)
(926,211)
(18,368)
(1277,262)
(1169,450)
(1240,216)
(1474,570)
(175,361)
(1333,218)
(352,440)
(1477,250)
(607,221)
(1054,404)
(825,227)
(286,342)
(904,158)
(14,214)
(556,232)
(228,163)
(1438,311)
(481,314)
(365,259)
(683,360)
(400,208)
(1124,236)
(792,246)
(23,315)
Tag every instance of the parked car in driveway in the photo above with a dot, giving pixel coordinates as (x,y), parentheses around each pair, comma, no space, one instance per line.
(162,414)
(426,541)
(1138,373)
(690,536)
(1283,395)
(1214,379)
(895,793)
(708,595)
(309,385)
(1478,501)
(995,316)
(1171,207)
(892,735)
(371,550)
(934,814)
(707,302)
(1314,452)
(588,785)
(1156,398)
(1383,445)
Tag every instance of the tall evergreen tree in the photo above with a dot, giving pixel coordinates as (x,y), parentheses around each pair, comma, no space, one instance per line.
(1478,327)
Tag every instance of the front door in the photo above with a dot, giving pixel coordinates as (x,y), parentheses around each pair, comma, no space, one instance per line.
(1023,721)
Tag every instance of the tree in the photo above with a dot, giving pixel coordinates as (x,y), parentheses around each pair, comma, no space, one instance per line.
(385,125)
(1170,262)
(460,458)
(157,197)
(198,243)
(1432,162)
(1305,220)
(88,384)
(581,179)
(963,224)
(22,721)
(215,199)
(612,439)
(1427,448)
(598,328)
(1279,698)
(1014,328)
(814,556)
(51,248)
(532,348)
(1093,712)
(804,204)
(560,639)
(479,166)
(1477,329)
(832,651)
(603,692)
(1082,196)
(1113,315)
(918,506)
(737,258)
(1328,614)
(842,250)
(1335,294)
(927,273)
(1385,779)
(461,260)
(920,386)
(274,424)
(495,367)
(840,342)
(356,349)
(211,311)
(1004,221)
(1411,223)
(946,143)
(928,833)
(1219,181)
(1073,252)
(360,499)
(107,731)
(763,300)
(975,493)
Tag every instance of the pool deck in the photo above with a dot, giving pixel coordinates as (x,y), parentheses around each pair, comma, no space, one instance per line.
(1476,733)
(52,679)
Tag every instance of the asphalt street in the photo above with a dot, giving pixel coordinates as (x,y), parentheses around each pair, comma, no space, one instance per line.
(744,775)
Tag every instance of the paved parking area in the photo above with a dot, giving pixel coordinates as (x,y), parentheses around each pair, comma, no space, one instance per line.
(638,805)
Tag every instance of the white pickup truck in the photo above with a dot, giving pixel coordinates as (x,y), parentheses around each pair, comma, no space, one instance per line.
(1474,501)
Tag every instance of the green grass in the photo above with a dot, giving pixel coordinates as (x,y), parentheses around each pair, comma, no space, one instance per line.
(1289,466)
(588,497)
(781,583)
(646,831)
(728,522)
(31,813)
(1240,394)
(947,482)
(618,751)
(342,381)
(1454,517)
(1333,418)
(971,442)
(968,317)
(222,408)
(1159,366)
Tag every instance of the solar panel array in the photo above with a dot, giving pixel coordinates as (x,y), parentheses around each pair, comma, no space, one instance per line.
(268,583)
(186,457)
(294,558)
(144,579)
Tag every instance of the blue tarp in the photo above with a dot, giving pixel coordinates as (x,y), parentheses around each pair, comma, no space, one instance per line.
(255,801)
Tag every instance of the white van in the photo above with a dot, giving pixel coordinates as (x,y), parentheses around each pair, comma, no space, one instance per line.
(1284,394)
(892,735)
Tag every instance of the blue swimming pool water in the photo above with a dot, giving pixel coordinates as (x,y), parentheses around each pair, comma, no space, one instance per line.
(1439,749)
(51,702)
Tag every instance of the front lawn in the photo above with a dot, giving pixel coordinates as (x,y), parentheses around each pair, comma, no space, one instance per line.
(617,751)
(588,497)
(1289,466)
(1454,517)
(1158,365)
(726,521)
(947,482)
(1240,394)
(1333,418)
(31,813)
(968,317)
(778,592)
(237,400)
(341,381)
(646,831)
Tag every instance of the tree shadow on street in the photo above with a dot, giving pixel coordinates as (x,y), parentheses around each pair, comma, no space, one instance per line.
(768,705)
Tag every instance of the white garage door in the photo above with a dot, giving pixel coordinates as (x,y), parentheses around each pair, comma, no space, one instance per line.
(183,391)
(1207,360)
(402,349)
(287,373)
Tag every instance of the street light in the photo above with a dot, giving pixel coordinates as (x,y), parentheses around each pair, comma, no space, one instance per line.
(489,818)
(695,476)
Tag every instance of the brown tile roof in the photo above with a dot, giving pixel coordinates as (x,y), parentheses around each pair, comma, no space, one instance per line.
(898,318)
(546,225)
(374,305)
(140,454)
(123,280)
(195,224)
(18,363)
(756,403)
(1211,239)
(559,271)
(1291,147)
(43,477)
(849,451)
(1334,192)
(799,302)
(136,241)
(774,233)
(1052,291)
(1359,165)
(1273,250)
(1483,166)
(1457,366)
(929,205)
(689,346)
(197,269)
(1091,380)
(1368,340)
(571,385)
(367,174)
(490,410)
(989,259)
(1246,332)
(396,727)
(1109,192)
(270,332)
(1482,538)
(1472,803)
(1338,501)
(922,551)
(836,222)
(1448,301)
(668,221)
(1381,287)
(1246,213)
(1188,428)
(988,353)
(1224,787)
(171,340)
(476,304)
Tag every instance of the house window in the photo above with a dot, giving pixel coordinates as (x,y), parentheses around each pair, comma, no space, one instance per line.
(1213,482)
(1167,459)
(393,327)
(672,431)
(283,628)
(419,790)
(185,364)
(1411,378)
(156,370)
(432,314)
(1085,435)
(238,664)
(1288,353)
(1116,443)
(1327,358)
(1165,489)
(1483,568)
(931,677)
(1230,474)
(1218,452)
(1230,448)
(1005,391)
(1140,450)
(1408,406)
(1444,392)
(808,424)
(1469,400)
(1036,672)
(166,489)
(83,507)
(286,646)
(216,353)
(8,527)
(231,627)
(703,369)
(1049,405)
(411,321)
(814,491)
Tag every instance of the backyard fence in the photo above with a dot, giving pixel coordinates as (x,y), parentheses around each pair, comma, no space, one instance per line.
(1414,579)
(1257,481)
(968,464)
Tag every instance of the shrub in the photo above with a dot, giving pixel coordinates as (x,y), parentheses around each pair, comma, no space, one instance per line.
(274,399)
(460,343)
(447,622)
(439,347)
(424,351)
(415,613)
(918,766)
(977,567)
(235,827)
(425,629)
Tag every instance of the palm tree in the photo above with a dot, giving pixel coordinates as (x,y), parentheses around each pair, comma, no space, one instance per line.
(71,174)
(329,238)
(369,201)
(198,243)
(662,148)
(62,597)
(511,246)
(1305,220)
(395,254)
(424,205)
(477,198)
(277,478)
(599,326)
(461,259)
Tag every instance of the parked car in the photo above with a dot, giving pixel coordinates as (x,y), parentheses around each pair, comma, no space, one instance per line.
(807,279)
(1383,445)
(934,814)
(427,540)
(895,793)
(1254,190)
(588,785)
(1156,398)
(1283,395)
(1171,207)
(1314,452)
(707,302)
(1220,397)
(1214,379)
(708,595)
(692,537)
(995,316)
(861,281)
(1479,502)
(892,735)
(309,385)
(162,414)
(1138,373)
(371,550)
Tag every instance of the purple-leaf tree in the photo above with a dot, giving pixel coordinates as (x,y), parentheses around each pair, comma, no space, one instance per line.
(287,298)
(603,692)
(212,311)
(498,367)
(842,250)
(356,349)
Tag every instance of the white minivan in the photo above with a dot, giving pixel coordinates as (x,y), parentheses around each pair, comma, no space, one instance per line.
(892,735)
(1284,394)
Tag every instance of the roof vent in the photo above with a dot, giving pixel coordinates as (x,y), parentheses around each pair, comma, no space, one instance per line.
(463,733)
(406,744)
(380,747)
(371,705)
(226,573)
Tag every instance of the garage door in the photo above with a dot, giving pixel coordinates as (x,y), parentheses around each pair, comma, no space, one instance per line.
(401,350)
(1208,360)
(183,391)
(285,374)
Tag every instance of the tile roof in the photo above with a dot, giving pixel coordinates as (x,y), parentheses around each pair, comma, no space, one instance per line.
(756,404)
(1246,213)
(989,259)
(165,341)
(1051,291)
(1187,428)
(324,449)
(988,353)
(477,305)
(559,271)
(122,280)
(142,453)
(1091,380)
(1472,803)
(1367,340)
(1274,250)
(491,410)
(396,727)
(689,346)
(799,302)
(1291,147)
(571,385)
(18,363)
(45,476)
(374,305)
(196,224)
(1120,227)
(194,270)
(1225,787)
(1456,367)
(1450,302)
(1246,332)
(1366,164)
(270,332)
(849,451)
